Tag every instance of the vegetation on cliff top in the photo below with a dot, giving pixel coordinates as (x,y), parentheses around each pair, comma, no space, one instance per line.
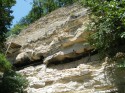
(39,8)
(108,24)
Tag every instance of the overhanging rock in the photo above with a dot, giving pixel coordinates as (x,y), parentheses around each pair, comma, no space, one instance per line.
(62,31)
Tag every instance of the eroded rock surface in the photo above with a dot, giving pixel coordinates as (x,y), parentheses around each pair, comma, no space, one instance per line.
(61,33)
(59,39)
(74,77)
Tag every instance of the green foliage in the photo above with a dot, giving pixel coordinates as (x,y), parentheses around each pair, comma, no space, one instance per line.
(10,82)
(66,2)
(5,18)
(16,29)
(4,64)
(13,83)
(108,24)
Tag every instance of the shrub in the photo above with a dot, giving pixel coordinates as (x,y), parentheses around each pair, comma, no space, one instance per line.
(16,29)
(13,82)
(4,63)
(108,23)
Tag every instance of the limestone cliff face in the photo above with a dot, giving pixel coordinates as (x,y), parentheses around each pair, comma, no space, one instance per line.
(74,77)
(59,42)
(56,36)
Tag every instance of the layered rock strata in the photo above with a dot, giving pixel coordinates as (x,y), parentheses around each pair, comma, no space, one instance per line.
(67,63)
(76,77)
(57,36)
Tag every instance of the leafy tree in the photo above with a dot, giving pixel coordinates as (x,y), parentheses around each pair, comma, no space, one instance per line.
(49,5)
(10,82)
(17,28)
(5,18)
(108,25)
(36,11)
(66,2)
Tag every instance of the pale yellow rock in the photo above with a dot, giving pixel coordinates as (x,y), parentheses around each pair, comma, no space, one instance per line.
(76,77)
(61,30)
(53,38)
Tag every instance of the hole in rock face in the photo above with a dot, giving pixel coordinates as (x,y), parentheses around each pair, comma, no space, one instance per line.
(26,62)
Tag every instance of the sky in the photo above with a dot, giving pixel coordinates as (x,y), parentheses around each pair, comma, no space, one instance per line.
(21,9)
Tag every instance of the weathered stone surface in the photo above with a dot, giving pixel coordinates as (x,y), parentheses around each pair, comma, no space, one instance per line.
(76,77)
(62,31)
(29,71)
(37,84)
(13,49)
(60,37)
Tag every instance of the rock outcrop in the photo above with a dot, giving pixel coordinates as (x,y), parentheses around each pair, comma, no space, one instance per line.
(68,64)
(76,77)
(57,36)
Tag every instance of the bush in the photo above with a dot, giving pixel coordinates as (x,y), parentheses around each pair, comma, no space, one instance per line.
(10,82)
(108,23)
(4,63)
(13,83)
(16,29)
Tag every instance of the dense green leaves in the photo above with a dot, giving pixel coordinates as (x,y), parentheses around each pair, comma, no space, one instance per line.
(10,82)
(16,29)
(13,83)
(108,22)
(5,18)
(4,64)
